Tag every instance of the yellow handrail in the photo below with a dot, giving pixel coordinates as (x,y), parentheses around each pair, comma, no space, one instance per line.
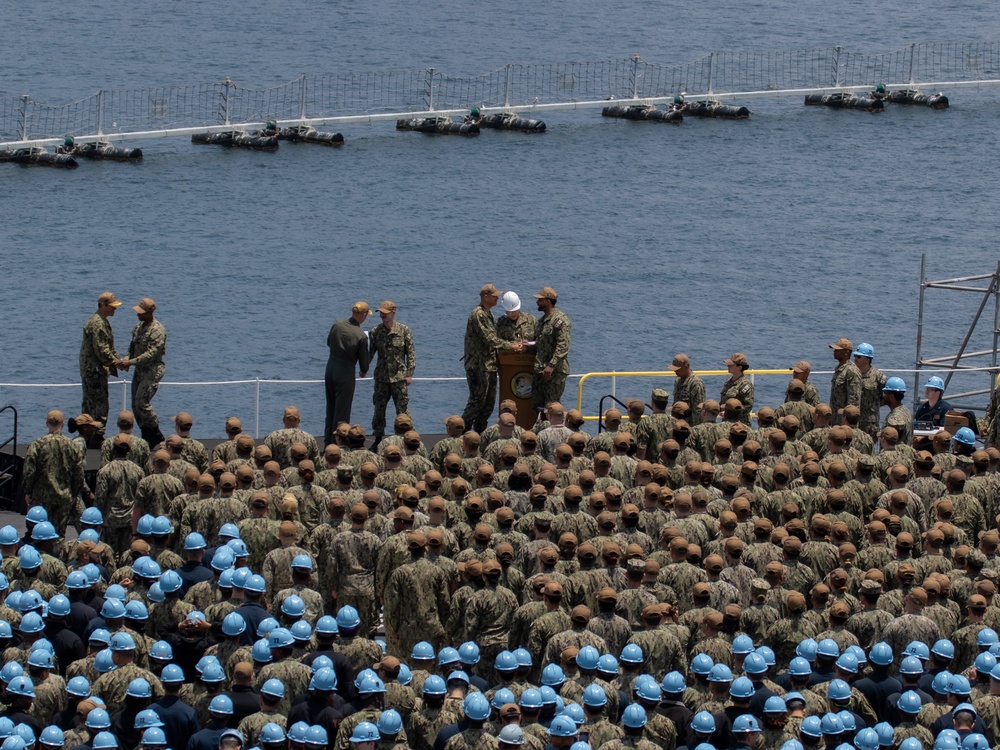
(667,373)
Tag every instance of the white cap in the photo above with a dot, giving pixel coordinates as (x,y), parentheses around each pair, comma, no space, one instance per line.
(510,302)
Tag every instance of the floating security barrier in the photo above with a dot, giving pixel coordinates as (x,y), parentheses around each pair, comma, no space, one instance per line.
(301,134)
(911,96)
(845,101)
(643,112)
(438,126)
(105,151)
(506,121)
(707,108)
(37,157)
(237,139)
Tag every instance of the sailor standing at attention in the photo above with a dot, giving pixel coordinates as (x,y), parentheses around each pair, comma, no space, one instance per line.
(348,349)
(98,358)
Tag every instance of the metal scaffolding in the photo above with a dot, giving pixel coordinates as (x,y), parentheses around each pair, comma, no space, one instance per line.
(955,361)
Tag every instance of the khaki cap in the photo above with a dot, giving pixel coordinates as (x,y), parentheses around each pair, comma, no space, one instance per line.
(842,344)
(122,438)
(681,360)
(547,293)
(976,601)
(840,610)
(183,419)
(553,590)
(712,619)
(509,711)
(795,601)
(918,596)
(55,417)
(288,504)
(387,306)
(701,590)
(362,308)
(417,540)
(739,358)
(580,614)
(802,366)
(85,419)
(139,546)
(489,289)
(608,594)
(108,298)
(227,481)
(435,538)
(146,305)
(288,528)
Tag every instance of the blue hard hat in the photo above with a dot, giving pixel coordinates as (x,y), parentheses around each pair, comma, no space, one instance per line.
(745,723)
(523,657)
(807,649)
(233,624)
(799,667)
(632,654)
(280,638)
(792,744)
(32,623)
(213,672)
(575,712)
(448,655)
(646,688)
(742,644)
(828,647)
(172,673)
(673,683)
(229,531)
(425,651)
(562,726)
(43,532)
(52,735)
(9,536)
(92,517)
(100,635)
(831,724)
(103,662)
(918,649)
(701,664)
(986,637)
(552,674)
(511,734)
(468,653)
(435,685)
(155,593)
(194,541)
(322,662)
(348,617)
(273,687)
(634,716)
(742,687)
(864,350)
(946,741)
(29,558)
(848,663)
(847,719)
(965,707)
(221,704)
(973,741)
(703,723)
(301,631)
(92,572)
(943,648)
(162,651)
(170,582)
(161,526)
(959,685)
(36,514)
(365,732)
(115,591)
(104,741)
(266,626)
(139,688)
(995,674)
(271,732)
(223,559)
(31,600)
(154,736)
(254,584)
(371,684)
(720,673)
(98,718)
(881,654)
(260,651)
(241,576)
(985,662)
(367,672)
(147,718)
(767,654)
(894,384)
(298,732)
(239,548)
(811,726)
(587,658)
(476,707)
(78,686)
(41,658)
(135,610)
(934,382)
(940,682)
(501,698)
(607,664)
(965,436)
(302,561)
(866,739)
(317,735)
(911,665)
(754,664)
(77,580)
(909,702)
(45,645)
(145,525)
(530,698)
(5,630)
(327,625)
(775,704)
(324,680)
(122,642)
(293,606)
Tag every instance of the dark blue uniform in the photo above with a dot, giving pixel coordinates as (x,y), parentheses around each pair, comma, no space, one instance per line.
(207,738)
(180,722)
(254,614)
(193,572)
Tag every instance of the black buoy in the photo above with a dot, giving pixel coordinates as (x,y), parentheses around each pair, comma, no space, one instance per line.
(910,96)
(510,121)
(643,112)
(107,151)
(706,108)
(37,156)
(237,139)
(845,101)
(301,134)
(438,126)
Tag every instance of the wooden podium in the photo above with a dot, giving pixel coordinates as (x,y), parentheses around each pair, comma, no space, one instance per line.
(516,371)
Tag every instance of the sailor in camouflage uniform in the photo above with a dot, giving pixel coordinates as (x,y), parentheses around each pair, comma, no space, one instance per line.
(417,601)
(738,386)
(281,441)
(481,346)
(845,383)
(145,354)
(392,342)
(53,473)
(117,489)
(98,358)
(349,573)
(552,340)
(872,382)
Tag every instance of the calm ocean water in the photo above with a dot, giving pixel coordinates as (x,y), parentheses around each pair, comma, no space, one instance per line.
(772,236)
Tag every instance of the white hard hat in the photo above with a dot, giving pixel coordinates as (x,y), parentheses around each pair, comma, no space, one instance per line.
(510,302)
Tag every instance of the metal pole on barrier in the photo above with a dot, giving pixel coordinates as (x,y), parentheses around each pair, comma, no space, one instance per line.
(302,101)
(225,101)
(100,112)
(124,394)
(506,86)
(430,89)
(913,48)
(614,386)
(256,409)
(24,117)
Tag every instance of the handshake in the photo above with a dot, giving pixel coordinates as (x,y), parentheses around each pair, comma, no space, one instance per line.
(123,364)
(522,346)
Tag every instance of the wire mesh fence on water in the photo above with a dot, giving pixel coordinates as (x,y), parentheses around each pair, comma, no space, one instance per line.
(515,85)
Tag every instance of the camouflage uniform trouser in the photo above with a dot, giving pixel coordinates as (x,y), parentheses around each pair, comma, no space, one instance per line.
(482,398)
(60,513)
(95,395)
(546,391)
(870,427)
(143,389)
(117,537)
(383,392)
